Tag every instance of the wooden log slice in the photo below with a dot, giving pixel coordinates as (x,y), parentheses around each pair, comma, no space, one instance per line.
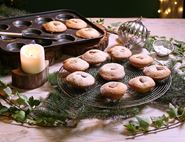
(24,80)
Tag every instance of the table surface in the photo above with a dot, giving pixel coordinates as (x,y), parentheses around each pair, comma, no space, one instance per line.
(97,130)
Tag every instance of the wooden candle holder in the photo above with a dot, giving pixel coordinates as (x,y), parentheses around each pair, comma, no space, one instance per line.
(24,80)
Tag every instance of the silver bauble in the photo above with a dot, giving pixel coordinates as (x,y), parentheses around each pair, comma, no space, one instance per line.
(133,33)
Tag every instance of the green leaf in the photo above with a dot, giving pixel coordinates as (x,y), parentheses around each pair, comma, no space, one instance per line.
(100,21)
(149,44)
(3,109)
(109,27)
(181,114)
(173,111)
(158,122)
(2,84)
(52,78)
(143,123)
(132,127)
(19,116)
(8,91)
(165,118)
(22,100)
(33,102)
(13,109)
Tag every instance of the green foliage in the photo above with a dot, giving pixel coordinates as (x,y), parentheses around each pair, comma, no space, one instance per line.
(173,116)
(18,109)
(180,48)
(111,29)
(11,12)
(100,21)
(175,94)
(3,109)
(19,115)
(160,121)
(132,127)
(52,78)
(4,70)
(22,100)
(172,111)
(175,111)
(149,43)
(143,124)
(33,102)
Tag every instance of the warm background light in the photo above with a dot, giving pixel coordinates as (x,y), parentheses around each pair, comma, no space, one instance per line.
(171,8)
(180,9)
(159,11)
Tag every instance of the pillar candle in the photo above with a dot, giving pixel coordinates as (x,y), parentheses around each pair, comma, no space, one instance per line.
(32,58)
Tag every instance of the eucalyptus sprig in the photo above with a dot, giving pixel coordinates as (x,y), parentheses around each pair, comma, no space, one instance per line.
(174,116)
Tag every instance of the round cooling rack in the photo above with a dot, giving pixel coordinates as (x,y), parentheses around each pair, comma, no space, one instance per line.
(91,96)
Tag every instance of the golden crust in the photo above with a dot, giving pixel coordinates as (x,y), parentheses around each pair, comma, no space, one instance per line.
(75,64)
(142,84)
(76,23)
(157,72)
(79,79)
(112,71)
(87,33)
(119,53)
(54,26)
(140,60)
(95,56)
(113,90)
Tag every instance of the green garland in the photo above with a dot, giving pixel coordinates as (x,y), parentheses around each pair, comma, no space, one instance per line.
(174,117)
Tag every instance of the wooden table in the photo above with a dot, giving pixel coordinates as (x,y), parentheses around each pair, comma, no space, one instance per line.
(98,130)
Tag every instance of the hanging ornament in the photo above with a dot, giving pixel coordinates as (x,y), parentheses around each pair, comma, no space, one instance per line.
(133,33)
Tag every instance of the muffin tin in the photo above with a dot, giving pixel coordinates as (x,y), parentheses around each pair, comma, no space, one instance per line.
(91,96)
(67,42)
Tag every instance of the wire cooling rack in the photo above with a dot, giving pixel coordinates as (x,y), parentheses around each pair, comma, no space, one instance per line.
(91,96)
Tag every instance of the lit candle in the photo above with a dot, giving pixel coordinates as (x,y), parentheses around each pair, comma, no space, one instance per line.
(32,58)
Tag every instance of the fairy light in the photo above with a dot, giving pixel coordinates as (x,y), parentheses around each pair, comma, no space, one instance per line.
(180,9)
(171,8)
(166,12)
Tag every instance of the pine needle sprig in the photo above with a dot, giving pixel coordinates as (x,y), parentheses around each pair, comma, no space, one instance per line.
(175,94)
